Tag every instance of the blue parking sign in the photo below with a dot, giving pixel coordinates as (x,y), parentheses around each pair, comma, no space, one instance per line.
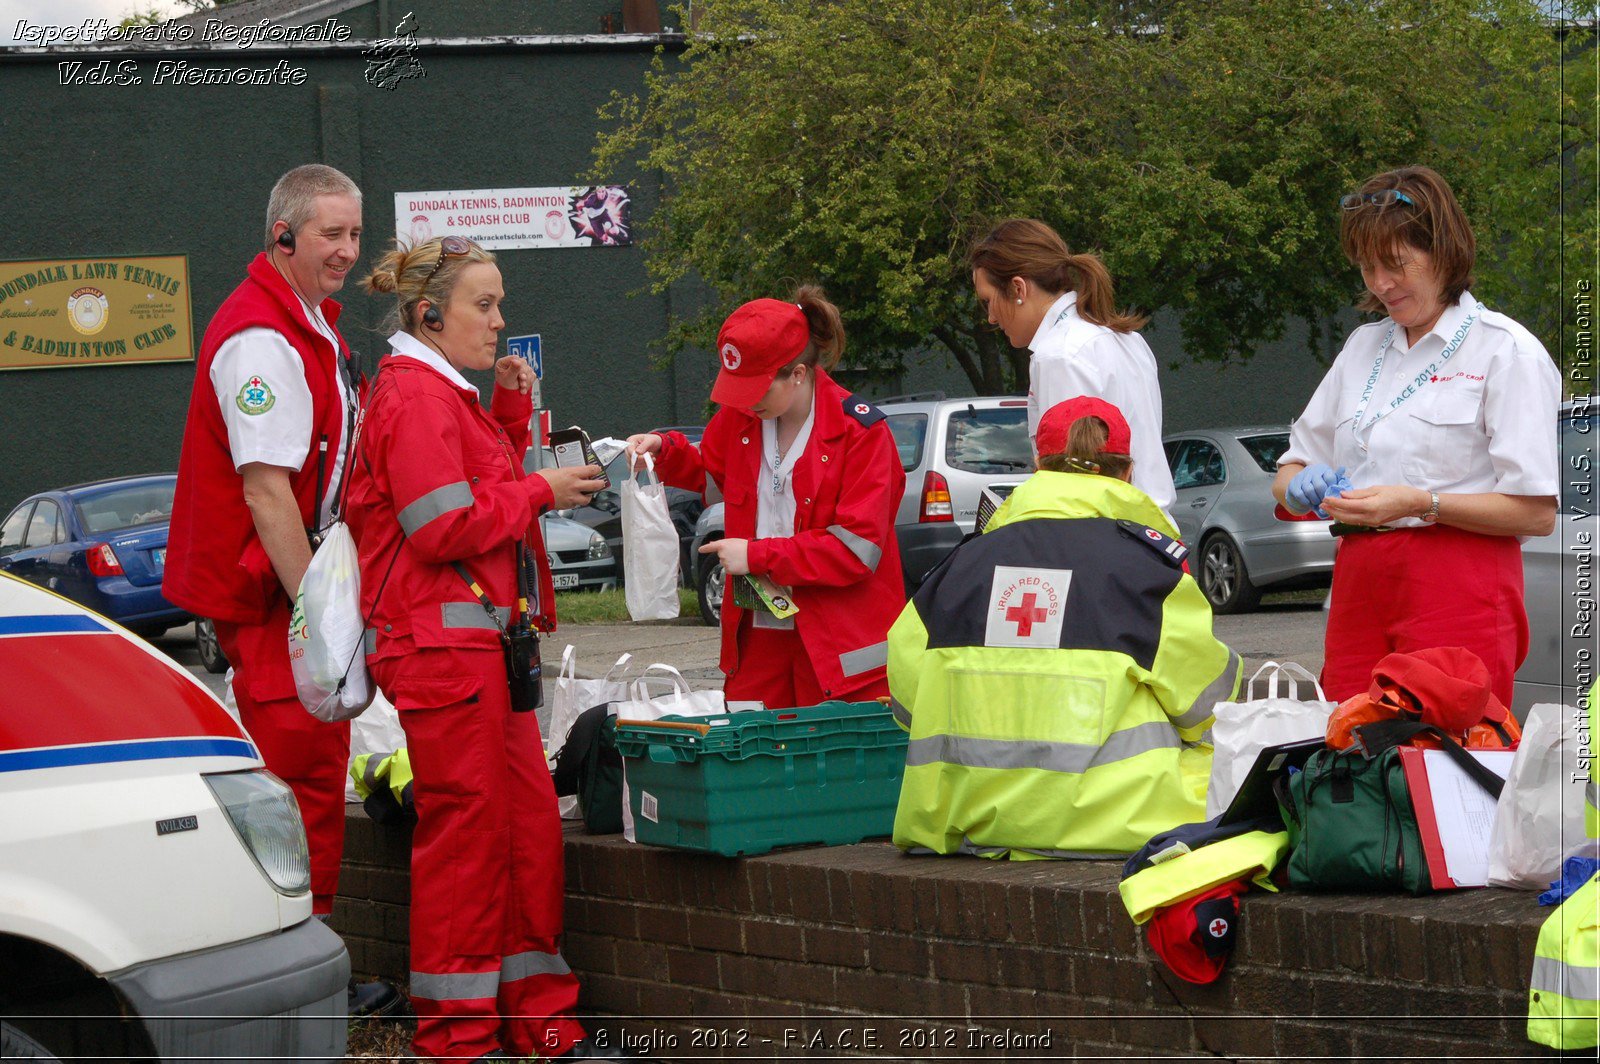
(527,349)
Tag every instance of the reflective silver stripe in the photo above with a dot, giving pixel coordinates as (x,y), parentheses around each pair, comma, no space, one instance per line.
(1034,753)
(901,713)
(864,660)
(1580,982)
(867,552)
(522,965)
(471,615)
(436,503)
(1219,690)
(369,641)
(455,986)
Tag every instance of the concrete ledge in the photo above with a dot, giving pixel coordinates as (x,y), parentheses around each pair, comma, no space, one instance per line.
(861,951)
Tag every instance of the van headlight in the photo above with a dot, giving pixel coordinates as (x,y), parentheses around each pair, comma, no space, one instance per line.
(598,547)
(266,818)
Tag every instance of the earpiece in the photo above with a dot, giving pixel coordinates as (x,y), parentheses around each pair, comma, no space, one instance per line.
(286,240)
(433,319)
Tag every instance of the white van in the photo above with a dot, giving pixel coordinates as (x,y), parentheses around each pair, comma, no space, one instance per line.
(154,880)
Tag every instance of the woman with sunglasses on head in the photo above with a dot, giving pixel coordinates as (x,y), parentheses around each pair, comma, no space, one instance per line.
(1059,306)
(1431,443)
(452,572)
(812,480)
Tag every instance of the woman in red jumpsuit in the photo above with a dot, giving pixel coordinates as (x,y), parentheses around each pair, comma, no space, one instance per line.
(811,480)
(443,516)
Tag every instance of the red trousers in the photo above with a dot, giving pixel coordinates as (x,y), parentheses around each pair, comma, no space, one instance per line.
(775,669)
(487,886)
(310,755)
(1416,588)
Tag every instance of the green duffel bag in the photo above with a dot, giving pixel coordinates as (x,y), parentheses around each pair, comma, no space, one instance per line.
(1350,818)
(590,766)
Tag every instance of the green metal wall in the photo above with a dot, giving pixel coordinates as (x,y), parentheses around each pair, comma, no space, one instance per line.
(130,170)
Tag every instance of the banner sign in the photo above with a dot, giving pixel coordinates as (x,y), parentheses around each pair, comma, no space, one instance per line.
(501,218)
(91,312)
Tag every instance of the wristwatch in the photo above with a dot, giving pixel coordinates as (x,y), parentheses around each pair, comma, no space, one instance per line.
(1432,513)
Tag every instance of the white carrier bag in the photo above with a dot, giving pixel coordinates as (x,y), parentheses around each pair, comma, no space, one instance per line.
(649,548)
(1265,718)
(570,697)
(1538,821)
(642,705)
(325,632)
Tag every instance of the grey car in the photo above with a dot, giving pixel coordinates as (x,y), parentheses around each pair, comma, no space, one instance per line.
(1559,576)
(1243,543)
(580,558)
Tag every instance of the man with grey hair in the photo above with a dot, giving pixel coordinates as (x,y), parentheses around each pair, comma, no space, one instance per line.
(265,450)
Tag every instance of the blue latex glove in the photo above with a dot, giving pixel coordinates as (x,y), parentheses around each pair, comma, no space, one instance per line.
(1575,872)
(1312,484)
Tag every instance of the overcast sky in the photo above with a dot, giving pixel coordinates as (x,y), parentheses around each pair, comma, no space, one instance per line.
(72,12)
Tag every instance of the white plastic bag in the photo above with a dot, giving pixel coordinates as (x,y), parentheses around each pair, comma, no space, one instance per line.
(325,632)
(1539,817)
(649,548)
(1243,729)
(377,731)
(644,705)
(571,697)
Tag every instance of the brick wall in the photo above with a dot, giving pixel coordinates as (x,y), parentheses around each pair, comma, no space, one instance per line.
(860,951)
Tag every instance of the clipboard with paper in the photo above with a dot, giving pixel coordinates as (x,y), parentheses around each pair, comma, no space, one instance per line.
(1454,811)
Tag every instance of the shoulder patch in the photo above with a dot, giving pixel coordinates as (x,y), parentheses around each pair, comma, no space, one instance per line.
(861,411)
(255,397)
(1173,551)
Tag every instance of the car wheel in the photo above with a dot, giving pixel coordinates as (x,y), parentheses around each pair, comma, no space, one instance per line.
(15,1045)
(205,641)
(712,584)
(1223,577)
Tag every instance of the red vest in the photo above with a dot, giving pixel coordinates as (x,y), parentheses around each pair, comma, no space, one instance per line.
(216,566)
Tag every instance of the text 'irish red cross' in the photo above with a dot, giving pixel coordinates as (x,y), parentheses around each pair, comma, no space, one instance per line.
(1027,614)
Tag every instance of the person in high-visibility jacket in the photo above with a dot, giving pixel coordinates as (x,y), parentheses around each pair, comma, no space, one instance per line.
(1563,1010)
(1056,671)
(446,524)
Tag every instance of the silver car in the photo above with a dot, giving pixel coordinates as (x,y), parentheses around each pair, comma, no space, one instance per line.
(1558,575)
(579,557)
(1243,543)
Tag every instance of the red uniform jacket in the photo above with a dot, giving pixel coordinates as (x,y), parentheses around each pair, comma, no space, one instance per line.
(843,561)
(216,566)
(437,480)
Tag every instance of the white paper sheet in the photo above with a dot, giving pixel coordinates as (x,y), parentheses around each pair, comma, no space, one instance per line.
(1464,812)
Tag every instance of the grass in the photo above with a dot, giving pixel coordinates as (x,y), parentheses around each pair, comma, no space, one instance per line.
(611,607)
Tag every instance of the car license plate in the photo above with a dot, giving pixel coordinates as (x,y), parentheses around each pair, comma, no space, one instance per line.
(160,555)
(565,581)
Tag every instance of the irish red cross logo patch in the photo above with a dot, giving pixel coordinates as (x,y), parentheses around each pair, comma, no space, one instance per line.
(1026,607)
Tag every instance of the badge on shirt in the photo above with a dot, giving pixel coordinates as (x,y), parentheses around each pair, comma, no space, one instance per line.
(255,397)
(1026,607)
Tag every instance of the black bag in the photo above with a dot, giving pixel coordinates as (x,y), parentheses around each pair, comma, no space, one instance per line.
(590,766)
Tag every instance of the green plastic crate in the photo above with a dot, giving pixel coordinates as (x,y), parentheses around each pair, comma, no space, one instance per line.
(746,783)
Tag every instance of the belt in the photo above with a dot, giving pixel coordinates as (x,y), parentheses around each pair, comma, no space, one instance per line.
(1340,528)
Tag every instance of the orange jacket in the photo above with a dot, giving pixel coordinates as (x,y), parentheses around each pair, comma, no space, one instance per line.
(438,480)
(843,561)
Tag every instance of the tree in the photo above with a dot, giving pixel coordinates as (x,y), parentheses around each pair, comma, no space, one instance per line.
(1199,145)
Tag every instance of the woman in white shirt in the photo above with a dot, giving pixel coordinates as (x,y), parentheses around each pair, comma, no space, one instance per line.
(1060,307)
(1432,443)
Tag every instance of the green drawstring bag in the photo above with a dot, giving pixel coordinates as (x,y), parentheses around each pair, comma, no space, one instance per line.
(590,766)
(1351,823)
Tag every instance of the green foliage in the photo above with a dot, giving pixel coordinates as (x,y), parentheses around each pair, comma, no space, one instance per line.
(1199,146)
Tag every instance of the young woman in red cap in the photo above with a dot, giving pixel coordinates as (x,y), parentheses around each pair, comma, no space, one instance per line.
(811,480)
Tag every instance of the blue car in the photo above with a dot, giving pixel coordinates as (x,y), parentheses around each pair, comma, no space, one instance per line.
(103,545)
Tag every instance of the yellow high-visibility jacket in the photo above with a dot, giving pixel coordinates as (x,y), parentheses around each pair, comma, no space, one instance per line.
(1565,984)
(1053,674)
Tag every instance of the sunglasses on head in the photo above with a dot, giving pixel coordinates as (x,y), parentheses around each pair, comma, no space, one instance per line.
(449,247)
(1386,197)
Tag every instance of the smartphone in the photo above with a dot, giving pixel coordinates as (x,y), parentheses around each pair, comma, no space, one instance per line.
(571,447)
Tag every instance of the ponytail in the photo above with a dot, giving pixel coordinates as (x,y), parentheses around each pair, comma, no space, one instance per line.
(1027,247)
(827,329)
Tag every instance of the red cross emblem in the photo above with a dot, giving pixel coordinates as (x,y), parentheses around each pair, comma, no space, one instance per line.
(863,408)
(1434,377)
(1027,614)
(1152,534)
(1218,927)
(255,382)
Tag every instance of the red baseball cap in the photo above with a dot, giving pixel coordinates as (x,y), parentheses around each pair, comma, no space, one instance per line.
(756,341)
(1056,425)
(1195,936)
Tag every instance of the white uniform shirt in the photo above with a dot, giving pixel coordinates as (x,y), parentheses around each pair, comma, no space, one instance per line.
(408,346)
(261,388)
(1073,356)
(775,506)
(1484,421)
